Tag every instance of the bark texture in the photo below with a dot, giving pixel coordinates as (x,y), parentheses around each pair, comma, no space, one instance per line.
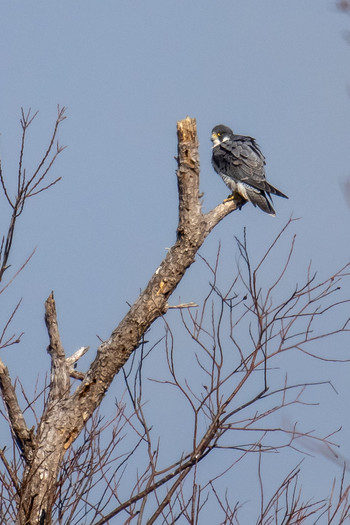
(66,412)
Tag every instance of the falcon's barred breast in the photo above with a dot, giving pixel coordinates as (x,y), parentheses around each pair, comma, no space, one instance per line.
(241,165)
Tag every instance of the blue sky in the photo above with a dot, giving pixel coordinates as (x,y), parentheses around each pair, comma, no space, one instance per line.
(127,71)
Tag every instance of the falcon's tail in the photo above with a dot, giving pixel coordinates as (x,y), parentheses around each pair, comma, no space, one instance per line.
(271,189)
(260,199)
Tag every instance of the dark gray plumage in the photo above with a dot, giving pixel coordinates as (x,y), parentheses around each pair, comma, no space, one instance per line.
(241,165)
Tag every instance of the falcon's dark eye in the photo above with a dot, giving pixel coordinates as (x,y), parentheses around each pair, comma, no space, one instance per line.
(218,134)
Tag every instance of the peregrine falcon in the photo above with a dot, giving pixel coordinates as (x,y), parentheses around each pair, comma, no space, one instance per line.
(240,163)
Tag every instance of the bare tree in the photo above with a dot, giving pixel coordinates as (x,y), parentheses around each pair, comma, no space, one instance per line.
(51,477)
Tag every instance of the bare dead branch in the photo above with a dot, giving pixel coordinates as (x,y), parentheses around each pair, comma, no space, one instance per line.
(23,435)
(27,188)
(78,354)
(183,305)
(60,382)
(60,117)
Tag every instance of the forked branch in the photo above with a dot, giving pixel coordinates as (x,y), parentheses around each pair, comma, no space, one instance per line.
(193,228)
(28,187)
(65,415)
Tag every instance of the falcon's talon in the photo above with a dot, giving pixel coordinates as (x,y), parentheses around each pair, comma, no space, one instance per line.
(240,163)
(230,198)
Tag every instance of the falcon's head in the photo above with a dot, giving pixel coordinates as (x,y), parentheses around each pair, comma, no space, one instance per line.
(220,134)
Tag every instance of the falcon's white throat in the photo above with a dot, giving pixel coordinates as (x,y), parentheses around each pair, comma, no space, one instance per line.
(217,141)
